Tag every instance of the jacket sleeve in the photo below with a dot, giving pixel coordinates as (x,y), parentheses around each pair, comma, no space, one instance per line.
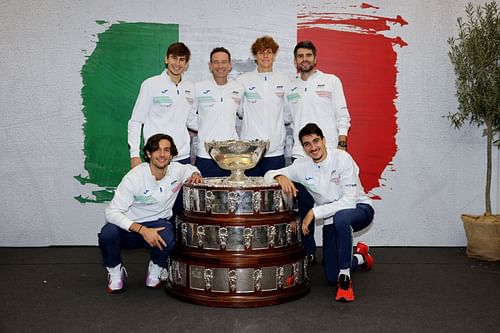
(350,192)
(139,115)
(122,200)
(341,111)
(290,171)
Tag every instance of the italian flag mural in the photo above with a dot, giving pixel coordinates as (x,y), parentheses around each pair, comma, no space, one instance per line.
(350,45)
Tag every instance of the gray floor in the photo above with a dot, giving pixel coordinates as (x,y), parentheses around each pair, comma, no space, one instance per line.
(62,289)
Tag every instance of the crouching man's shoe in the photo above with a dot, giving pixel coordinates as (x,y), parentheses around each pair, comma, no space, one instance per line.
(116,279)
(153,279)
(362,248)
(345,293)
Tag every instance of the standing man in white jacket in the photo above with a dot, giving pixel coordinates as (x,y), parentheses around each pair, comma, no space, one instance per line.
(315,97)
(140,214)
(332,178)
(216,105)
(163,106)
(263,106)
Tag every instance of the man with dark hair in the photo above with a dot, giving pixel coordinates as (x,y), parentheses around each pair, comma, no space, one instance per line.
(263,106)
(140,214)
(332,178)
(315,97)
(216,104)
(163,106)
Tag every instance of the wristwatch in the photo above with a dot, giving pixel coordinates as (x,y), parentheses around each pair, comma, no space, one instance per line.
(342,144)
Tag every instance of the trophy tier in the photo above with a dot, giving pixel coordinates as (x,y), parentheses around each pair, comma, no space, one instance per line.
(237,246)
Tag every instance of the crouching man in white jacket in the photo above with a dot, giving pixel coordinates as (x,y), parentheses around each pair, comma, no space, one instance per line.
(332,178)
(140,214)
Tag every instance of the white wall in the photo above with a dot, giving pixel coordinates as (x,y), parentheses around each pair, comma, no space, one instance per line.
(438,172)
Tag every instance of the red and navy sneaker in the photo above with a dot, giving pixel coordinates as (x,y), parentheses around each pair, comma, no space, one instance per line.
(345,293)
(362,248)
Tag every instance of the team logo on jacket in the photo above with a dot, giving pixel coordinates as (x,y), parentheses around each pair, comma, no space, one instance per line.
(176,186)
(206,91)
(324,93)
(334,178)
(146,198)
(293,97)
(164,91)
(163,101)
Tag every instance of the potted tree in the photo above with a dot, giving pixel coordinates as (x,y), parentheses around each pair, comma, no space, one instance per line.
(475,55)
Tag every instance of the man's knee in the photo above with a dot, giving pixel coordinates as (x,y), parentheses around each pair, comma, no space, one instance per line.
(343,218)
(109,232)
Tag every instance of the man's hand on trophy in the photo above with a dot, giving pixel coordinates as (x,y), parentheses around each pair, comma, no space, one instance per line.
(286,185)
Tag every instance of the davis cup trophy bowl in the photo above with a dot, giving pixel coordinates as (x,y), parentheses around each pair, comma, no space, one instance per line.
(236,156)
(238,239)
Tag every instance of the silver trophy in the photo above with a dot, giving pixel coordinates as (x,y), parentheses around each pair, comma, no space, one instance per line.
(236,156)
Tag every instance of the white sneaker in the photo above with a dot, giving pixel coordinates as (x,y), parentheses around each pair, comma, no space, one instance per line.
(116,278)
(153,278)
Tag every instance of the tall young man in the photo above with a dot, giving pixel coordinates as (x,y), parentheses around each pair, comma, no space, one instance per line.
(217,101)
(163,106)
(332,178)
(140,214)
(315,97)
(263,106)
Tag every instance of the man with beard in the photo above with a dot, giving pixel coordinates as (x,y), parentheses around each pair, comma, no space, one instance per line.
(140,214)
(332,177)
(315,97)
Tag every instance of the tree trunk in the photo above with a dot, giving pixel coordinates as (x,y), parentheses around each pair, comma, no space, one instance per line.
(489,142)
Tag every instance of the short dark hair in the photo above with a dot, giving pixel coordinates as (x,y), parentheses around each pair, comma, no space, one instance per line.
(179,49)
(305,44)
(153,144)
(310,129)
(220,49)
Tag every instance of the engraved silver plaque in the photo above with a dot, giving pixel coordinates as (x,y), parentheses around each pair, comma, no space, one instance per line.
(192,234)
(288,276)
(186,198)
(220,204)
(211,240)
(267,203)
(280,238)
(235,239)
(245,282)
(197,277)
(245,203)
(198,203)
(291,233)
(268,281)
(260,238)
(220,282)
(285,202)
(300,276)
